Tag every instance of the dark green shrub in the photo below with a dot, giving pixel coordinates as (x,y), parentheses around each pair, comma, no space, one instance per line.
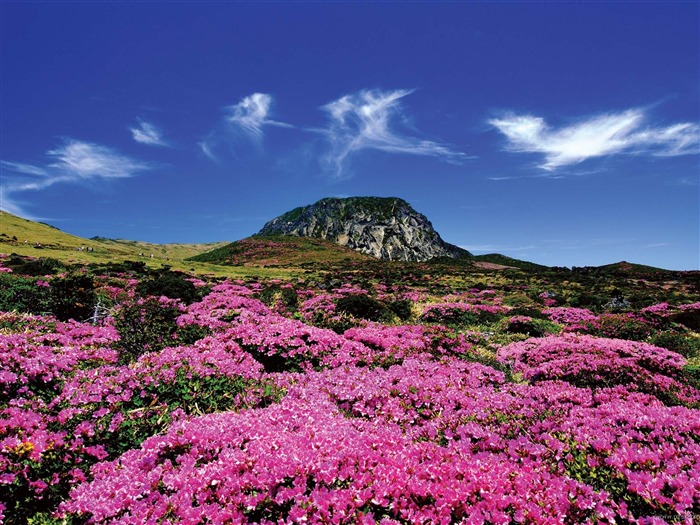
(72,297)
(170,284)
(676,342)
(38,267)
(361,307)
(622,326)
(535,313)
(145,326)
(402,309)
(689,319)
(531,327)
(191,333)
(276,296)
(22,294)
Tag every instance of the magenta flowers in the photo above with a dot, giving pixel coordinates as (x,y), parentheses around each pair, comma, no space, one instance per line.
(454,417)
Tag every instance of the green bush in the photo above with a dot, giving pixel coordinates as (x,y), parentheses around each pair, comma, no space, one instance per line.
(402,308)
(72,297)
(22,294)
(622,326)
(677,342)
(38,267)
(689,319)
(145,326)
(169,284)
(69,297)
(361,307)
(277,296)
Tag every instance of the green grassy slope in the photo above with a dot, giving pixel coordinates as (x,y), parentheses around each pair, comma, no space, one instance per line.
(497,258)
(279,250)
(26,237)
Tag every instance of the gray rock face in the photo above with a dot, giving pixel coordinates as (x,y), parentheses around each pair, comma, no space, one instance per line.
(385,228)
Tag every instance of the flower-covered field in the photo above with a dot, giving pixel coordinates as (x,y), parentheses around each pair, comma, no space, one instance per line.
(388,395)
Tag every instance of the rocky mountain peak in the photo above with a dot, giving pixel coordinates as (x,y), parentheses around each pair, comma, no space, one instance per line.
(382,227)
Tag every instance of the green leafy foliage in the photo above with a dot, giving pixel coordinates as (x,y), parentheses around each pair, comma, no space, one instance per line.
(145,326)
(21,294)
(279,297)
(361,307)
(35,267)
(169,284)
(73,297)
(69,297)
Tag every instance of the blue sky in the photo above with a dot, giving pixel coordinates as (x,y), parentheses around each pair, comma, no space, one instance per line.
(564,133)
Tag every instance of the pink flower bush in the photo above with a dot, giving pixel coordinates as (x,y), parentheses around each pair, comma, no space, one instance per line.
(391,344)
(572,318)
(301,462)
(591,361)
(265,416)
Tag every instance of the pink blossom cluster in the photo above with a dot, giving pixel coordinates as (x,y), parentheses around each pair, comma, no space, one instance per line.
(592,361)
(382,424)
(304,462)
(572,318)
(320,309)
(418,443)
(65,395)
(40,357)
(659,309)
(218,308)
(391,344)
(292,343)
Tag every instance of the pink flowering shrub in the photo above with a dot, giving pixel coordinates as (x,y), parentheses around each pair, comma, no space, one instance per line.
(33,362)
(66,405)
(417,443)
(246,407)
(573,319)
(598,362)
(392,344)
(321,311)
(283,344)
(239,468)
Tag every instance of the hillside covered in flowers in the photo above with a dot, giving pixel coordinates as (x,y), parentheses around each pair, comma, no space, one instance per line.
(356,393)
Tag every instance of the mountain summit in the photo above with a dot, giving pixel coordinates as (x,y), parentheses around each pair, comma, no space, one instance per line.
(385,228)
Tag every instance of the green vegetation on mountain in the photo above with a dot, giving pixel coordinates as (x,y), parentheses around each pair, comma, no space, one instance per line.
(497,258)
(279,250)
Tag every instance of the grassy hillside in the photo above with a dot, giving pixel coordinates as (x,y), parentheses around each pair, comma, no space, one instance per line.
(279,251)
(44,240)
(35,238)
(503,260)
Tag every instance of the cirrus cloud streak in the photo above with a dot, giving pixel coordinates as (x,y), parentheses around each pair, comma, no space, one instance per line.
(147,133)
(602,135)
(73,162)
(250,115)
(366,121)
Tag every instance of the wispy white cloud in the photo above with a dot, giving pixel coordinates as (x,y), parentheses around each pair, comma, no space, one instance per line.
(252,113)
(72,162)
(598,136)
(207,150)
(249,118)
(147,133)
(657,245)
(365,120)
(77,160)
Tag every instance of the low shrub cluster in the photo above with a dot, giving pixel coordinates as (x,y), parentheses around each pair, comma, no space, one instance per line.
(401,396)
